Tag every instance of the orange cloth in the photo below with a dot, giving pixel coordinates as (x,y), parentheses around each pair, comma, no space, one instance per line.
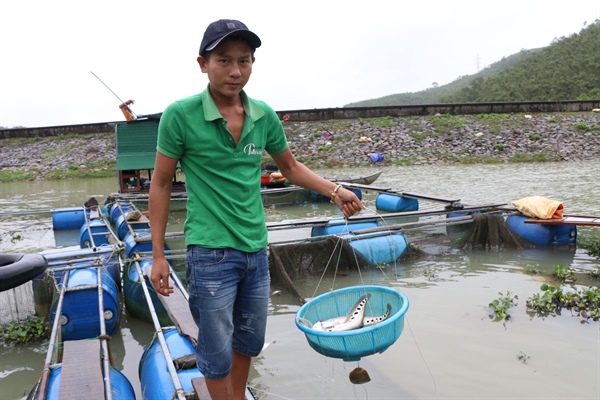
(539,207)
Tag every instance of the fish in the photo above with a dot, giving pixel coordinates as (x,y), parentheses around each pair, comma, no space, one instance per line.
(367,321)
(352,320)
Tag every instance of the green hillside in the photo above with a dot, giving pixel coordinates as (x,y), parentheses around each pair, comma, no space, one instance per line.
(565,70)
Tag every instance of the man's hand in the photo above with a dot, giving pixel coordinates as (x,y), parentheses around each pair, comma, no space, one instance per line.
(160,276)
(348,202)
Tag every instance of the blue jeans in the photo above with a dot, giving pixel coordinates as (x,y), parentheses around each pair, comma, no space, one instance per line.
(229,298)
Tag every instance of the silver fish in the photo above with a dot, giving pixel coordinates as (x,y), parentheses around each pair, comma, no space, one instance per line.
(375,320)
(352,320)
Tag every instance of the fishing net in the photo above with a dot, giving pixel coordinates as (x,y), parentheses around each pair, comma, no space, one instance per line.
(17,303)
(490,232)
(295,260)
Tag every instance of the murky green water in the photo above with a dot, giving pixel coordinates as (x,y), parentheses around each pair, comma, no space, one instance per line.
(450,347)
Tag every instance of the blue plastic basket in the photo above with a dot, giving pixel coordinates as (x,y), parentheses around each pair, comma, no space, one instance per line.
(353,344)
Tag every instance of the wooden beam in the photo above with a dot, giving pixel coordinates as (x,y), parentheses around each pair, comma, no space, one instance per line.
(566,220)
(178,309)
(199,385)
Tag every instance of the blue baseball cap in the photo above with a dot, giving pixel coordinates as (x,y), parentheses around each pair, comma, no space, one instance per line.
(219,30)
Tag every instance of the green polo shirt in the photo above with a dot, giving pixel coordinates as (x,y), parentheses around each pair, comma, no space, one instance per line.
(224,207)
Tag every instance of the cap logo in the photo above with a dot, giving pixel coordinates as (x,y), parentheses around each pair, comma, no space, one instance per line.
(230,25)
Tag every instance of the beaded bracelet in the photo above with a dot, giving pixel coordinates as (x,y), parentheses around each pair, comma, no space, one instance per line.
(334,193)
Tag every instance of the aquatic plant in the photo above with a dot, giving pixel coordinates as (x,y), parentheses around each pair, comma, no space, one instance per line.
(30,329)
(15,237)
(591,244)
(501,305)
(564,273)
(584,302)
(431,274)
(547,302)
(533,269)
(523,357)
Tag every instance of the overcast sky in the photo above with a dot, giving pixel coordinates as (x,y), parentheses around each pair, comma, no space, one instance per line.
(315,54)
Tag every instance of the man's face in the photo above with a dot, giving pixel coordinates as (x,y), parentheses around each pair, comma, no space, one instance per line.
(228,67)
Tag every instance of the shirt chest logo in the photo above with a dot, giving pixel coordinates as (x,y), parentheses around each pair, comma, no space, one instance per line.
(251,149)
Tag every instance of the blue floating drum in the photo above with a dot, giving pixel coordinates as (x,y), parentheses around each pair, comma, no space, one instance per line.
(548,235)
(68,218)
(154,376)
(395,203)
(80,317)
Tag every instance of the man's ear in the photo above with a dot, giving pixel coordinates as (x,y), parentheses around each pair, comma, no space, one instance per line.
(202,63)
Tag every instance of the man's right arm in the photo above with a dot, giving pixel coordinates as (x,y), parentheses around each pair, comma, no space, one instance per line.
(159,204)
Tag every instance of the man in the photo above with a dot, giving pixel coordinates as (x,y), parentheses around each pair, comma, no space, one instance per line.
(218,137)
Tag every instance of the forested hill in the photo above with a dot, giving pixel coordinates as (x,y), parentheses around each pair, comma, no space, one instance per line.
(567,69)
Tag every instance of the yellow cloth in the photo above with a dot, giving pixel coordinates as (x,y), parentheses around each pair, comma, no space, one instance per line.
(539,207)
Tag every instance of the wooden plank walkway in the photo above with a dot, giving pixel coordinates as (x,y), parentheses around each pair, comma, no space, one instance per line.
(81,376)
(567,220)
(199,385)
(178,310)
(142,220)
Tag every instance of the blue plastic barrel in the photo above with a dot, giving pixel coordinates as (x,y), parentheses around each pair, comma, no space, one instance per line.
(154,376)
(548,235)
(383,249)
(122,227)
(337,226)
(99,231)
(132,246)
(80,312)
(121,387)
(135,298)
(395,203)
(68,218)
(119,208)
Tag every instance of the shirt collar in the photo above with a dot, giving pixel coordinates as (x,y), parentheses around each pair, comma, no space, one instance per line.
(211,112)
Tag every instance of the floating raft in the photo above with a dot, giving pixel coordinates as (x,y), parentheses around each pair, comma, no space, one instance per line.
(567,220)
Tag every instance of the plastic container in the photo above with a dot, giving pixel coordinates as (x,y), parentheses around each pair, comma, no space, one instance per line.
(395,203)
(548,235)
(80,312)
(99,232)
(354,344)
(156,383)
(381,249)
(68,218)
(135,298)
(337,226)
(121,387)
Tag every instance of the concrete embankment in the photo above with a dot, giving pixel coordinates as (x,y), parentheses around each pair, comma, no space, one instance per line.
(434,139)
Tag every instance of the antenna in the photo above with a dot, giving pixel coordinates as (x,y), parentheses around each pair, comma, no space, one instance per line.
(124,106)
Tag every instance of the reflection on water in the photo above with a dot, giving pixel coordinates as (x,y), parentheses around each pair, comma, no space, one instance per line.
(450,348)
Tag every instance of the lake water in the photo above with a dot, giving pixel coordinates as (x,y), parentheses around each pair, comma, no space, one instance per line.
(450,348)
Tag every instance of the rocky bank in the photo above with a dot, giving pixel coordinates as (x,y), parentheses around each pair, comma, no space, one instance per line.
(435,139)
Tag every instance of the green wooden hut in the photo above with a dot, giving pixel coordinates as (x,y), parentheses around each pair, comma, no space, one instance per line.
(136,153)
